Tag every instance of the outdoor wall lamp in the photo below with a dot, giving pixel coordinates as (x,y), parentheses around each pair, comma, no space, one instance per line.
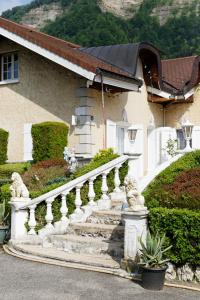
(132,132)
(187,128)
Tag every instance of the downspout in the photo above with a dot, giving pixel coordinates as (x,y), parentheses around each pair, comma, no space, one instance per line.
(102,106)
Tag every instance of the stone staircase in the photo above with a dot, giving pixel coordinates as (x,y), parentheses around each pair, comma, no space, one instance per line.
(91,237)
(100,240)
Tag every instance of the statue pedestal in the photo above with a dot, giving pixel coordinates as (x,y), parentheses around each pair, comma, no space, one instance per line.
(135,228)
(19,218)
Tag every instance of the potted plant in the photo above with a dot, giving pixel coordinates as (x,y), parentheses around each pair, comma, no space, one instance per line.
(3,226)
(153,261)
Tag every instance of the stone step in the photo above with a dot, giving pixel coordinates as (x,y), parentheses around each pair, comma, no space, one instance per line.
(58,255)
(87,245)
(110,232)
(110,217)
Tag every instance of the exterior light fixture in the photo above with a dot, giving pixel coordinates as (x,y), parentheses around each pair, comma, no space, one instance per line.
(132,132)
(187,128)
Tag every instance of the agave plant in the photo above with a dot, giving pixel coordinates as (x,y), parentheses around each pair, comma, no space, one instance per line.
(152,254)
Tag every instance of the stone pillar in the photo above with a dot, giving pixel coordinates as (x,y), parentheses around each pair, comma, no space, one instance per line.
(135,228)
(19,218)
(132,169)
(83,129)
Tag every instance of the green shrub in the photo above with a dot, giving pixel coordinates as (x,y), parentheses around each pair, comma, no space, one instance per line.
(3,146)
(7,169)
(49,140)
(182,229)
(157,194)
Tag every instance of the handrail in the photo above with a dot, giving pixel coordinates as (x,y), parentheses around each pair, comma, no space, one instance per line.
(73,183)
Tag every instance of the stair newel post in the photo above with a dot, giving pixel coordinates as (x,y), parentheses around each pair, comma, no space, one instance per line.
(117,181)
(32,222)
(91,193)
(78,201)
(64,208)
(104,187)
(49,215)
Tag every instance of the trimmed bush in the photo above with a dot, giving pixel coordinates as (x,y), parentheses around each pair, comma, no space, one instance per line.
(49,140)
(159,192)
(3,146)
(7,169)
(182,228)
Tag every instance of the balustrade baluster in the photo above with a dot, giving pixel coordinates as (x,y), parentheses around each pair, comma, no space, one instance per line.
(64,208)
(49,215)
(104,187)
(91,193)
(32,222)
(117,180)
(78,201)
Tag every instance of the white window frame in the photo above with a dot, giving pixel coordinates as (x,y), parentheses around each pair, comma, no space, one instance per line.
(12,80)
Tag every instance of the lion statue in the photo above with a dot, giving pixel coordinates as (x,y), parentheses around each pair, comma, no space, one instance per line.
(134,198)
(18,188)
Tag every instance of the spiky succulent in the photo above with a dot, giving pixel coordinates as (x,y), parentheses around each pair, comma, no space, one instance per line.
(153,253)
(2,213)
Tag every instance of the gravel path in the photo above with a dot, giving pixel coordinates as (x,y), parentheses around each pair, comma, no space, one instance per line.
(24,280)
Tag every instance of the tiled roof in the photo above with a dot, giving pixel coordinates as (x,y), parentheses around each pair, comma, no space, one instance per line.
(66,50)
(181,73)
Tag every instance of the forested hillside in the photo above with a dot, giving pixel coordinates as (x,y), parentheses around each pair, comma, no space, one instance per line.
(84,22)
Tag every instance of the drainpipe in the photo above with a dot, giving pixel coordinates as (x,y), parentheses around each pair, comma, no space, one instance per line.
(103,107)
(164,114)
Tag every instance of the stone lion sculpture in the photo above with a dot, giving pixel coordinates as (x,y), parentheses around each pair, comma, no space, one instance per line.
(134,198)
(18,188)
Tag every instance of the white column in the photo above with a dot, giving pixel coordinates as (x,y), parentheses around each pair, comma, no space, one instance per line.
(78,201)
(132,169)
(32,222)
(91,193)
(104,187)
(49,215)
(117,180)
(64,208)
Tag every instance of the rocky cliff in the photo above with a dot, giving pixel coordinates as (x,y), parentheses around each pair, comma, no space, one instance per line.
(163,9)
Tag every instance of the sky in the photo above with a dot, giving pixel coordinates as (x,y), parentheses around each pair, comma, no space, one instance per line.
(8,4)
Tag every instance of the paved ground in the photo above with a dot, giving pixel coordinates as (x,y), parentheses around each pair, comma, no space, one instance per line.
(20,280)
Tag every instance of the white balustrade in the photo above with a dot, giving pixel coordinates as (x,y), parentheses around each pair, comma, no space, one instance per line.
(79,214)
(64,208)
(32,222)
(91,193)
(104,187)
(117,181)
(78,201)
(49,215)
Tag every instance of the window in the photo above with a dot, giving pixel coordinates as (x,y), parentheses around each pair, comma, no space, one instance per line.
(9,67)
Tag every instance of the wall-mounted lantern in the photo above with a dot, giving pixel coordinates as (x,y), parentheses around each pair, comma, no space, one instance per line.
(132,132)
(187,128)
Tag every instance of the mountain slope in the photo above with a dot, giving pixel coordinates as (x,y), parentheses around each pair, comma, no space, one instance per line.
(171,25)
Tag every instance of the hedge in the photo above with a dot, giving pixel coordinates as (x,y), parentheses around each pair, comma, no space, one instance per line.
(157,193)
(3,146)
(6,170)
(182,229)
(49,140)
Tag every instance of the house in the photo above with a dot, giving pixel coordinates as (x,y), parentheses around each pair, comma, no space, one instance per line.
(99,91)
